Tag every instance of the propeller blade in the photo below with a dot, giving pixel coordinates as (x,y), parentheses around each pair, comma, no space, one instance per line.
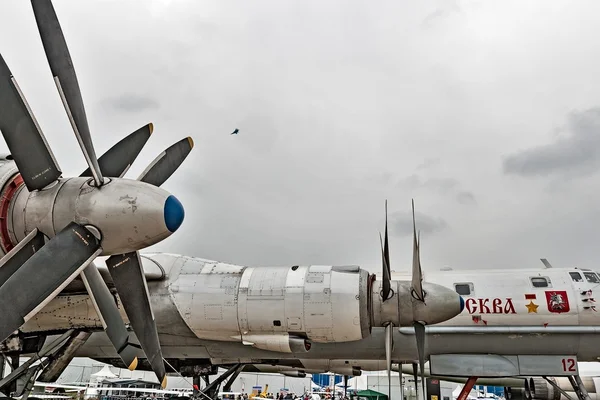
(23,135)
(167,162)
(387,274)
(107,310)
(22,252)
(420,335)
(401,383)
(383,293)
(65,79)
(118,159)
(417,273)
(415,376)
(128,276)
(389,342)
(44,275)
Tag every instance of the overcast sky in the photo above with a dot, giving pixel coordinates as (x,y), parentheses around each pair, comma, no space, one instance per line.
(486,113)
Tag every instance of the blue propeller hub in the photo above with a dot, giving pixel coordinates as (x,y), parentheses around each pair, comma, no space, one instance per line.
(174,213)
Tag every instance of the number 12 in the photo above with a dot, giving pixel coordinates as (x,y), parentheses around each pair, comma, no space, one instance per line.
(568,365)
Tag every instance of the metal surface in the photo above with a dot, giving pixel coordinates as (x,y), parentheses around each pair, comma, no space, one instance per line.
(109,315)
(525,329)
(23,135)
(11,262)
(167,162)
(118,159)
(227,302)
(46,350)
(129,214)
(63,357)
(72,250)
(130,282)
(65,78)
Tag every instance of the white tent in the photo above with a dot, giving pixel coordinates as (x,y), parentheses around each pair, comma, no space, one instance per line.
(104,373)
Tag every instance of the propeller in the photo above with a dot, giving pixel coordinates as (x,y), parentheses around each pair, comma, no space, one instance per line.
(417,293)
(54,263)
(65,79)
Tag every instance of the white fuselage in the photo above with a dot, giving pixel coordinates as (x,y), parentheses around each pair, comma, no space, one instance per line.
(532,298)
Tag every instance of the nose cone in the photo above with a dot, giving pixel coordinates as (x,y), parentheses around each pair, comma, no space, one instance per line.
(130,215)
(441,304)
(174,213)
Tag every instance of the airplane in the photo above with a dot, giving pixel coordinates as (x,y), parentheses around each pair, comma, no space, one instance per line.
(514,323)
(307,306)
(194,314)
(52,227)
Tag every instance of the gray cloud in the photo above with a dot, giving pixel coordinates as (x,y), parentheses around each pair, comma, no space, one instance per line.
(132,103)
(577,153)
(466,198)
(335,101)
(429,163)
(401,224)
(442,185)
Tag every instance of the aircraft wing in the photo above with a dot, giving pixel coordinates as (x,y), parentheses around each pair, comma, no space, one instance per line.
(58,385)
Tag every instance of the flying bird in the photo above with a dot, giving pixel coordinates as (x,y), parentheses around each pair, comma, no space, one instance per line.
(235,132)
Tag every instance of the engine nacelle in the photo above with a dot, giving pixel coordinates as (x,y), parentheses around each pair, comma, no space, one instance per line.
(283,343)
(539,389)
(267,306)
(294,374)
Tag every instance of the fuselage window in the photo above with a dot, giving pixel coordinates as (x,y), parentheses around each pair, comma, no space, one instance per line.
(591,277)
(576,276)
(539,281)
(464,289)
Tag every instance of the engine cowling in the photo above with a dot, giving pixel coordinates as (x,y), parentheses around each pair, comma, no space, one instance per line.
(294,374)
(271,308)
(284,343)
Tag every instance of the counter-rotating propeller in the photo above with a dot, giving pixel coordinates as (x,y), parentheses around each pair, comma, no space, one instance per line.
(417,293)
(68,234)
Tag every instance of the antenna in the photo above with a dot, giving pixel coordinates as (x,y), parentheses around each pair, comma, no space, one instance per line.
(546,263)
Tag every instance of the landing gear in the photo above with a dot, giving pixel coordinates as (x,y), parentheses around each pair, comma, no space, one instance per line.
(580,390)
(552,383)
(21,379)
(464,393)
(211,390)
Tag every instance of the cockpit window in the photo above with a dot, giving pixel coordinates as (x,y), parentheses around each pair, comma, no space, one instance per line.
(464,289)
(539,281)
(576,276)
(591,277)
